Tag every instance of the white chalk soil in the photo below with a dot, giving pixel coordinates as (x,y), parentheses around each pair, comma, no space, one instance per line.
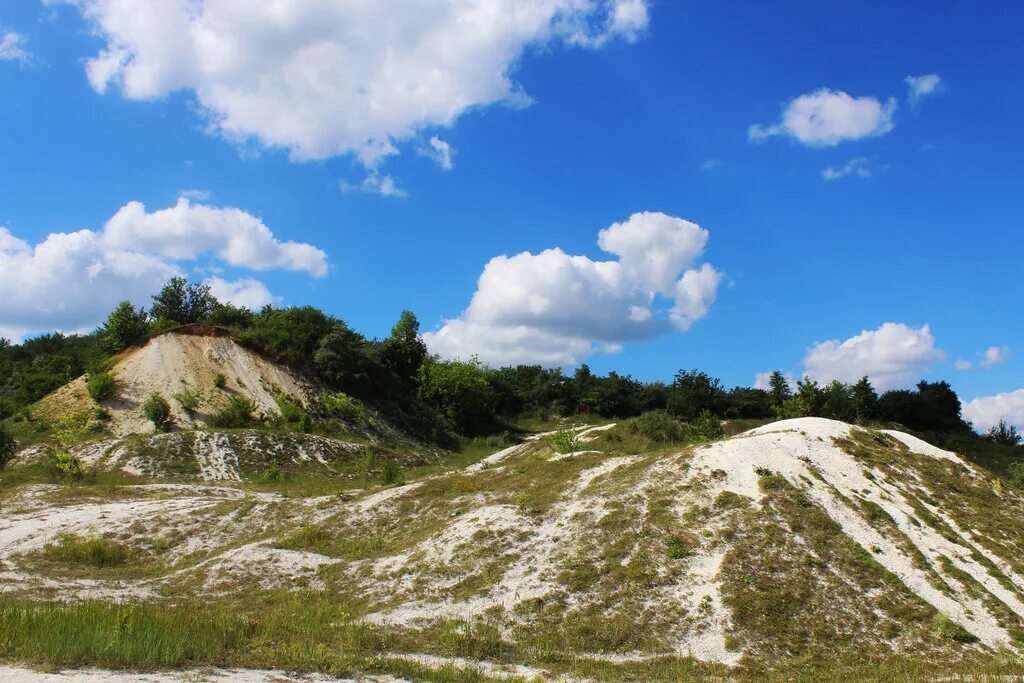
(178,361)
(477,552)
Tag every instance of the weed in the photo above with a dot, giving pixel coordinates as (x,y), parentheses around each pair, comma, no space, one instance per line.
(565,441)
(220,381)
(101,386)
(92,552)
(946,628)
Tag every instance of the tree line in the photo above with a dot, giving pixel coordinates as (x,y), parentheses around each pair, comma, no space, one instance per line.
(435,398)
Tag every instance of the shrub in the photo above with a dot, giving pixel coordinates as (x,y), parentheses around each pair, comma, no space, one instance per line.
(565,440)
(237,413)
(101,386)
(707,427)
(292,414)
(189,400)
(944,627)
(341,405)
(63,465)
(158,411)
(1016,473)
(93,552)
(8,447)
(219,380)
(460,393)
(656,425)
(391,473)
(1004,435)
(272,473)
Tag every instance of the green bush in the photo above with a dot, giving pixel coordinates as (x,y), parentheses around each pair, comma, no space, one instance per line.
(125,326)
(189,400)
(391,473)
(219,380)
(63,465)
(158,411)
(8,447)
(237,413)
(565,440)
(657,426)
(292,414)
(101,386)
(707,427)
(946,628)
(341,405)
(1016,473)
(93,552)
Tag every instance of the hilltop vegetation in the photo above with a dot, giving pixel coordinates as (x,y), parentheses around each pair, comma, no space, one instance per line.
(442,401)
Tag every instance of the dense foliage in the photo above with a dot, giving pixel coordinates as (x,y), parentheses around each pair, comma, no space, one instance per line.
(434,398)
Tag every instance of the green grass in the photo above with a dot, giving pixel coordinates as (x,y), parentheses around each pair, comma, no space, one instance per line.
(95,551)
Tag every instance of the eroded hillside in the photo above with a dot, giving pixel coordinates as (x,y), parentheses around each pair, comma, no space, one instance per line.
(802,543)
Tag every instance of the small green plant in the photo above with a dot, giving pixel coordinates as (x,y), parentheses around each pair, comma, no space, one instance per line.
(158,411)
(391,473)
(189,400)
(292,414)
(565,440)
(944,627)
(272,473)
(1016,473)
(63,465)
(101,386)
(679,550)
(340,405)
(237,413)
(762,471)
(91,552)
(8,447)
(102,414)
(219,380)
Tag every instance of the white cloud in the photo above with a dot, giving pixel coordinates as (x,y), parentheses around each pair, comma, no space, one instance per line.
(894,355)
(986,411)
(375,183)
(12,48)
(195,195)
(70,281)
(246,292)
(857,167)
(554,308)
(922,86)
(440,151)
(994,355)
(187,230)
(828,117)
(762,380)
(328,77)
(710,164)
(961,364)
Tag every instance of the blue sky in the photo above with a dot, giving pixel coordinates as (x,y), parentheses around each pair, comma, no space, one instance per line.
(591,115)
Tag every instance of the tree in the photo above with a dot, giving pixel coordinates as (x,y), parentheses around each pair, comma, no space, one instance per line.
(459,392)
(345,360)
(1004,435)
(403,352)
(693,392)
(124,326)
(807,402)
(291,335)
(865,400)
(8,446)
(778,388)
(837,402)
(183,302)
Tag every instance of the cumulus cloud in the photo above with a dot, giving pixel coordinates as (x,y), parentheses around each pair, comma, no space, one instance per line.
(70,281)
(961,364)
(894,355)
(923,86)
(826,117)
(994,355)
(856,167)
(554,308)
(986,411)
(322,78)
(12,48)
(246,292)
(440,152)
(187,230)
